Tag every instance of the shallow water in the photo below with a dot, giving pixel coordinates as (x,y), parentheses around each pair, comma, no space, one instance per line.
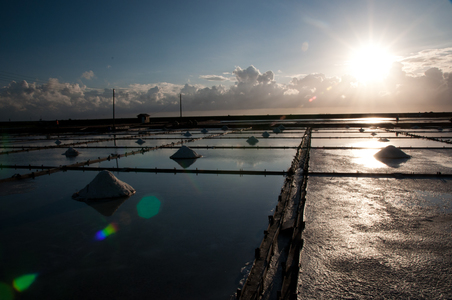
(188,236)
(204,230)
(180,236)
(370,238)
(373,238)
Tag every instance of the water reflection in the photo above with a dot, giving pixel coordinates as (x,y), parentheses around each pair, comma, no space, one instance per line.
(185,162)
(107,207)
(366,157)
(393,162)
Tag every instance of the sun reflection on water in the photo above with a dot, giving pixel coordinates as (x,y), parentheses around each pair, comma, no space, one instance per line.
(366,157)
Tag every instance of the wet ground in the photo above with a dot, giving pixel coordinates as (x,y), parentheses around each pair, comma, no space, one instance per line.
(371,238)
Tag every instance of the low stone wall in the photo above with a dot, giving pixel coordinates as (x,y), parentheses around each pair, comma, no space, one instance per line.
(275,269)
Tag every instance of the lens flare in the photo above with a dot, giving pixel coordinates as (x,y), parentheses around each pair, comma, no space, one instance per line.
(23,282)
(109,230)
(148,207)
(6,292)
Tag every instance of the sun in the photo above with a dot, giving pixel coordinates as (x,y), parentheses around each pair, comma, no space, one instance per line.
(370,63)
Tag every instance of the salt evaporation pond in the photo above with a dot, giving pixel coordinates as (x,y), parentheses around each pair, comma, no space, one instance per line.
(177,237)
(421,161)
(222,159)
(263,142)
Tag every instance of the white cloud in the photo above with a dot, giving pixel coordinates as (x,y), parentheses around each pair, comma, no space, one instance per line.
(248,75)
(88,75)
(214,77)
(401,91)
(416,64)
(291,92)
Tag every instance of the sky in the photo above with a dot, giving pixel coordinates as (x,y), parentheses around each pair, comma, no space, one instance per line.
(62,60)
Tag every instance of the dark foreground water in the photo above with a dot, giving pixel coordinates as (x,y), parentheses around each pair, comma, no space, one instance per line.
(179,237)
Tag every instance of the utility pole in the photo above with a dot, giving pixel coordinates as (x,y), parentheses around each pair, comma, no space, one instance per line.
(114,125)
(180,106)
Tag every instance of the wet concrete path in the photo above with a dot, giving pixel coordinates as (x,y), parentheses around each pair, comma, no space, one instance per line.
(377,238)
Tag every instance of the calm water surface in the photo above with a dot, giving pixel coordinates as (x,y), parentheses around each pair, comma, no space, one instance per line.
(194,236)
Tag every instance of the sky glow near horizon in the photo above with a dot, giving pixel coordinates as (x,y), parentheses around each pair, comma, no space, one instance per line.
(60,60)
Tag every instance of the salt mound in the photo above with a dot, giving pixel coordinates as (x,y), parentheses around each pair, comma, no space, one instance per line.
(383,140)
(140,142)
(185,152)
(391,152)
(266,134)
(276,130)
(204,130)
(187,134)
(373,134)
(71,152)
(252,140)
(104,185)
(281,127)
(57,142)
(225,128)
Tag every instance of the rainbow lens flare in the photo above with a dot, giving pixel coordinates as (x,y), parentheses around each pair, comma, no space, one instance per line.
(148,207)
(23,282)
(109,230)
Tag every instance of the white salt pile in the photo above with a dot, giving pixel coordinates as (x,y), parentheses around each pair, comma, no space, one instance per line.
(276,130)
(383,140)
(71,152)
(57,142)
(185,152)
(266,134)
(140,142)
(187,134)
(204,130)
(104,185)
(225,128)
(391,152)
(252,140)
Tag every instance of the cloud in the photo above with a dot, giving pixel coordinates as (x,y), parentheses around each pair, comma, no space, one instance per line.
(251,90)
(417,63)
(88,75)
(214,77)
(248,75)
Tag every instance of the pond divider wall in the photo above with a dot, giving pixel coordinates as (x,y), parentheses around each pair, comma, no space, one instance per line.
(274,273)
